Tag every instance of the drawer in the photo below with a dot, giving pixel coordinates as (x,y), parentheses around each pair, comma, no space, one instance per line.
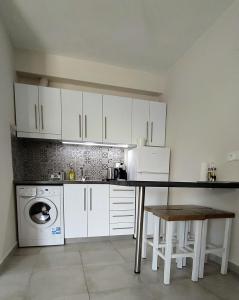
(122,216)
(122,191)
(122,204)
(122,229)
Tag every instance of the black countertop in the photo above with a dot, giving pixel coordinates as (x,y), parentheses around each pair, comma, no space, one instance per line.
(177,184)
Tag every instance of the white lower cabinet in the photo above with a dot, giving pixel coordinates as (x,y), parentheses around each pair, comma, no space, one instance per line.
(86,210)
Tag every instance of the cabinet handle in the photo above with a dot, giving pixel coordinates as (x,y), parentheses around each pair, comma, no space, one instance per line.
(119,203)
(85,126)
(152,126)
(105,128)
(147,132)
(42,119)
(123,190)
(122,216)
(36,116)
(84,199)
(90,198)
(122,228)
(80,125)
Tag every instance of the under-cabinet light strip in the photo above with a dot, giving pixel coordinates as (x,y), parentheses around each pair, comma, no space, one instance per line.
(96,144)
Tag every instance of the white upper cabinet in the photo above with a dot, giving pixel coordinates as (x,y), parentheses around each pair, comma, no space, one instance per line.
(50,110)
(92,117)
(72,115)
(26,103)
(148,122)
(98,210)
(117,119)
(140,120)
(157,114)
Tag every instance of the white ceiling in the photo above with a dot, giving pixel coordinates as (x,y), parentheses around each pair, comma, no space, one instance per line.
(142,34)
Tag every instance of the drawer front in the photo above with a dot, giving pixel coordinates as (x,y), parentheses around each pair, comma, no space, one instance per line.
(122,229)
(122,216)
(122,191)
(122,203)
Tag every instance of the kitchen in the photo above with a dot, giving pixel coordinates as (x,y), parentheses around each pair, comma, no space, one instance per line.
(163,118)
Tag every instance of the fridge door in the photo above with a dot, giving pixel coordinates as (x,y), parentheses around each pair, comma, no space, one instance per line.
(153,160)
(153,195)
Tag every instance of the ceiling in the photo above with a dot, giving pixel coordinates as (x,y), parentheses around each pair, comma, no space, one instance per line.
(146,35)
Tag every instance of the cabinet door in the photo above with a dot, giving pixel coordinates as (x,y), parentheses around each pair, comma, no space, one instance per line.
(92,118)
(71,115)
(117,119)
(75,210)
(157,113)
(98,210)
(140,120)
(26,101)
(50,110)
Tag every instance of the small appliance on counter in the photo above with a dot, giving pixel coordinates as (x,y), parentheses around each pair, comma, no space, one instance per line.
(120,172)
(58,176)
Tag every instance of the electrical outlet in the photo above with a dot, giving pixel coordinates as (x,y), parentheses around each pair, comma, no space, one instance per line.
(233,156)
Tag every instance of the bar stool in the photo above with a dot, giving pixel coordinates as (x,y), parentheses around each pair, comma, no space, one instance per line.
(164,250)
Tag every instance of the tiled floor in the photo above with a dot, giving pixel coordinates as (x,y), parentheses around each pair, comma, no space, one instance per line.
(103,271)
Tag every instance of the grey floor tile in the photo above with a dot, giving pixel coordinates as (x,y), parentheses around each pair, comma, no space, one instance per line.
(73,297)
(103,278)
(13,285)
(126,293)
(224,286)
(101,257)
(123,243)
(58,259)
(21,263)
(182,289)
(50,283)
(27,251)
(90,246)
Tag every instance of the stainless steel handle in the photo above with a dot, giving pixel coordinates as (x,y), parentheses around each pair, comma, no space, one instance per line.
(147,131)
(85,126)
(90,198)
(120,203)
(80,125)
(42,119)
(105,128)
(84,199)
(124,190)
(36,116)
(152,126)
(122,228)
(122,216)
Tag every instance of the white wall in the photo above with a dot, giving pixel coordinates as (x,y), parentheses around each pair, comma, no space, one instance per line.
(7,219)
(87,71)
(203,118)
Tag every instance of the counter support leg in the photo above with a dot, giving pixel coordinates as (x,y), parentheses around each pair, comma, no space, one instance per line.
(139,232)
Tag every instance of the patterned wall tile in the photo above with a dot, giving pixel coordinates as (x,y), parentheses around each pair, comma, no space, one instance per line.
(37,160)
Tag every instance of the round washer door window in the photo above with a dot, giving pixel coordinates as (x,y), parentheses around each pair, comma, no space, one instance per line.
(41,212)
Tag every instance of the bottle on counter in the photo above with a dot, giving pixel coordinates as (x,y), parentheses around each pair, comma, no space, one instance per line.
(71,173)
(212,173)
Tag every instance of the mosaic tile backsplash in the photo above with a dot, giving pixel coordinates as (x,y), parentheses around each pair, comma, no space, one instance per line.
(37,160)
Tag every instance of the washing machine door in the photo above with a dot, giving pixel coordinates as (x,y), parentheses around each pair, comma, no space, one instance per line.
(40,212)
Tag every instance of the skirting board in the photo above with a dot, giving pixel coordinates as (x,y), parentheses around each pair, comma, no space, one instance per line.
(97,239)
(7,256)
(231,266)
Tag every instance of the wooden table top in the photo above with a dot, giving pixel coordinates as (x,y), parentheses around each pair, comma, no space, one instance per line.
(187,212)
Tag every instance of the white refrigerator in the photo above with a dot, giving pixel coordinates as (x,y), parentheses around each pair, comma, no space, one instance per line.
(150,164)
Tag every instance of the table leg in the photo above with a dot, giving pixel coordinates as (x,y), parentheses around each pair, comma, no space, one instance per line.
(139,231)
(226,246)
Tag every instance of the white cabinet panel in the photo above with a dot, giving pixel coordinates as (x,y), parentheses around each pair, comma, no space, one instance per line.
(140,120)
(98,210)
(75,210)
(92,118)
(72,115)
(157,114)
(26,101)
(50,110)
(117,119)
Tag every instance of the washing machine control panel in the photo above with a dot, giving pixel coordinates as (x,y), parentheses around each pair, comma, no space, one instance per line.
(45,191)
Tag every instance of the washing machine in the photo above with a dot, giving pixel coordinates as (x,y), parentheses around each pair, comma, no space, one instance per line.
(40,215)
